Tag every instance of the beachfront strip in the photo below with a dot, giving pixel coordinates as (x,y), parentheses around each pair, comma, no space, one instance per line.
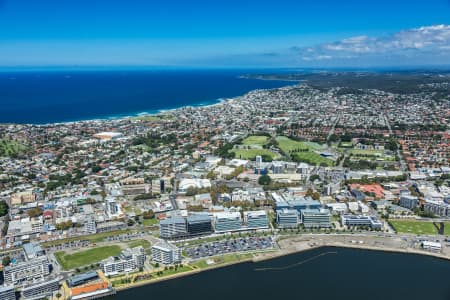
(92,207)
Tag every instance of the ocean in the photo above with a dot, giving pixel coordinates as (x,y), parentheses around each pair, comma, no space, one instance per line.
(319,274)
(40,97)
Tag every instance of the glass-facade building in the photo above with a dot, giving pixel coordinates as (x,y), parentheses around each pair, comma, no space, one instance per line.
(199,224)
(316,218)
(227,221)
(288,218)
(173,227)
(256,219)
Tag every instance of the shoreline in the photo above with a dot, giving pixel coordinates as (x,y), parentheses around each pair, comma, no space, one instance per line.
(129,116)
(272,78)
(281,253)
(156,112)
(182,274)
(357,247)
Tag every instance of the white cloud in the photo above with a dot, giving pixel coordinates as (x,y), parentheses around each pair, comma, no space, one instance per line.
(415,42)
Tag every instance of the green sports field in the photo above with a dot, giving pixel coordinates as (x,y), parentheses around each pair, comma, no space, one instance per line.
(306,153)
(137,243)
(447,228)
(86,257)
(288,145)
(366,152)
(312,158)
(255,140)
(251,153)
(413,227)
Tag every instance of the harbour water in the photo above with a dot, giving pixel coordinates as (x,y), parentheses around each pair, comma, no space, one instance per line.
(51,96)
(324,273)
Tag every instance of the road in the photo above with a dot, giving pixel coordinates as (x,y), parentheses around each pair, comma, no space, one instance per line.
(330,133)
(403,165)
(376,241)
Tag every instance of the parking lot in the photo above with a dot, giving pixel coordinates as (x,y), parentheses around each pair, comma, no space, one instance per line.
(229,246)
(125,237)
(86,243)
(69,245)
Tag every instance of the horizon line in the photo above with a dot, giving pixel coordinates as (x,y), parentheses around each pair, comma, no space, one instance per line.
(28,68)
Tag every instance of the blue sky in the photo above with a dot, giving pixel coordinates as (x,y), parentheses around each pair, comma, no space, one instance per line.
(196,33)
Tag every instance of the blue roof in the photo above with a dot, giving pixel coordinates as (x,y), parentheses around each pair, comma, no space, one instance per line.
(31,249)
(81,278)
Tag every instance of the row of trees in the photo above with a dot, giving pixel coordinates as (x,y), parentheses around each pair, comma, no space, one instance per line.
(359,164)
(366,180)
(224,151)
(3,208)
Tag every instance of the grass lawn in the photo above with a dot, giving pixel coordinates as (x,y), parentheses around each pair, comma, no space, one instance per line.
(201,264)
(225,259)
(313,146)
(168,272)
(359,152)
(346,144)
(414,227)
(446,228)
(137,243)
(287,145)
(369,155)
(86,257)
(154,275)
(313,158)
(252,153)
(149,222)
(255,140)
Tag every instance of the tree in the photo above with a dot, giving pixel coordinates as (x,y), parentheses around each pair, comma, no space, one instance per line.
(96,169)
(264,179)
(197,208)
(314,177)
(64,225)
(211,175)
(191,191)
(148,214)
(6,261)
(224,151)
(391,145)
(34,212)
(3,208)
(316,196)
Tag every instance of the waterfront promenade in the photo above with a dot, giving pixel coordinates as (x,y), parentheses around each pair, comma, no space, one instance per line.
(288,245)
